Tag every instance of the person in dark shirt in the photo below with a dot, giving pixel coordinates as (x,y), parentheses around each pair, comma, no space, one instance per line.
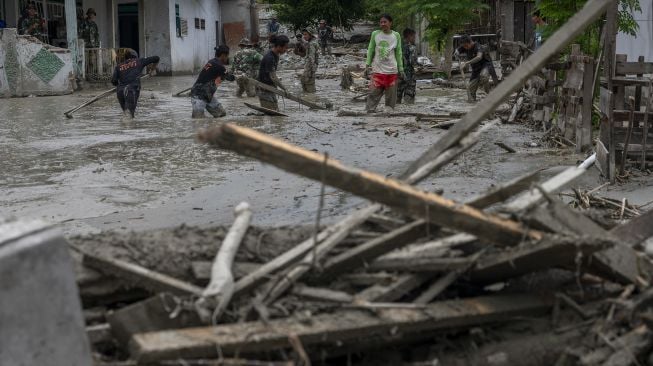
(482,67)
(267,73)
(126,77)
(202,95)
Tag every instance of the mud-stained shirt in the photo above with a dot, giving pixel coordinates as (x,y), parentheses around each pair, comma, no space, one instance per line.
(384,53)
(129,72)
(268,65)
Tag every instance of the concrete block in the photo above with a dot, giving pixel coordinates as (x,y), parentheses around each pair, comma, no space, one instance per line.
(41,321)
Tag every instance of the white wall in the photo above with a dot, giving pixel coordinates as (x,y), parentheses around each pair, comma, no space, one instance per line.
(234,11)
(157,33)
(642,44)
(191,52)
(25,80)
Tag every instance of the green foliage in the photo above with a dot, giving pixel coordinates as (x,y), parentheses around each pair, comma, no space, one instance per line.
(304,13)
(444,16)
(558,12)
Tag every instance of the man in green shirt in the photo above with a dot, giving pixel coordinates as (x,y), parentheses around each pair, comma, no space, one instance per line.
(384,64)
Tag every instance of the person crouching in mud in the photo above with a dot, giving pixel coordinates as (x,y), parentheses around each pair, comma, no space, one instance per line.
(267,73)
(202,95)
(127,79)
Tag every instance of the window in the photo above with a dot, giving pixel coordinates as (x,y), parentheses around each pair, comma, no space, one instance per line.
(177,20)
(200,23)
(183,27)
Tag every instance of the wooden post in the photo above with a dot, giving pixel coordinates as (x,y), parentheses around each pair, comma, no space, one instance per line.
(645,127)
(396,194)
(609,69)
(638,88)
(588,14)
(629,133)
(584,130)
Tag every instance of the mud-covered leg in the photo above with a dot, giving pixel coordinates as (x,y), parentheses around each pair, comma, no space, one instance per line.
(374,97)
(472,88)
(198,107)
(215,108)
(268,100)
(401,88)
(251,89)
(132,100)
(242,86)
(391,96)
(410,91)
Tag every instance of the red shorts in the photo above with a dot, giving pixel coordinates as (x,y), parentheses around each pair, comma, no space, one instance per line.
(383,81)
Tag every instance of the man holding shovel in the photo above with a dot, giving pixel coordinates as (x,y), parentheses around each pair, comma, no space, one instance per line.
(127,79)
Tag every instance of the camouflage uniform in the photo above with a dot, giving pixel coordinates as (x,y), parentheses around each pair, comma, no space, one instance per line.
(310,67)
(31,26)
(89,32)
(407,85)
(246,64)
(325,34)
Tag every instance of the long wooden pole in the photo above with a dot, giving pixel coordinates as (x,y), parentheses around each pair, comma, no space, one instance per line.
(592,10)
(69,113)
(285,94)
(396,194)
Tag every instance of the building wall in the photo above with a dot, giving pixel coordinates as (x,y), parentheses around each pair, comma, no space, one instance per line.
(191,52)
(28,68)
(237,11)
(157,33)
(642,44)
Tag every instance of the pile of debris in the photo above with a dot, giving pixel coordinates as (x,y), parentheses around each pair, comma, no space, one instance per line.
(513,276)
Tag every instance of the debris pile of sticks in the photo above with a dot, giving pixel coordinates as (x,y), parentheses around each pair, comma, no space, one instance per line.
(511,270)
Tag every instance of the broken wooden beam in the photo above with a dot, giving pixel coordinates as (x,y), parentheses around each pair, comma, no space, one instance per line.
(394,290)
(361,254)
(321,294)
(281,262)
(551,252)
(202,270)
(419,263)
(327,329)
(556,183)
(592,10)
(369,185)
(141,276)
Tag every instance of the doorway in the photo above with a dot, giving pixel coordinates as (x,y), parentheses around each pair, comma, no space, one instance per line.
(128,26)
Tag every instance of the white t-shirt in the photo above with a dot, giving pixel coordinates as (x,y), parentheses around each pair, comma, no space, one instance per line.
(384,53)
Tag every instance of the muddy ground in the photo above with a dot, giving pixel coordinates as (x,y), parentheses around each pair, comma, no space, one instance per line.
(96,172)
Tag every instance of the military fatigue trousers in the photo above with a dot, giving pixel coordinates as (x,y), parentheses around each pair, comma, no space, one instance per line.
(244,86)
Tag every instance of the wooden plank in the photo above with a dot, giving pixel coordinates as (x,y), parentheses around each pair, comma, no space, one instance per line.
(140,276)
(359,256)
(321,294)
(202,269)
(281,262)
(609,51)
(633,68)
(547,253)
(584,128)
(649,102)
(635,231)
(554,184)
(326,329)
(362,254)
(631,122)
(576,24)
(619,88)
(604,103)
(602,157)
(630,81)
(505,190)
(638,89)
(394,290)
(375,187)
(285,94)
(445,281)
(267,111)
(419,264)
